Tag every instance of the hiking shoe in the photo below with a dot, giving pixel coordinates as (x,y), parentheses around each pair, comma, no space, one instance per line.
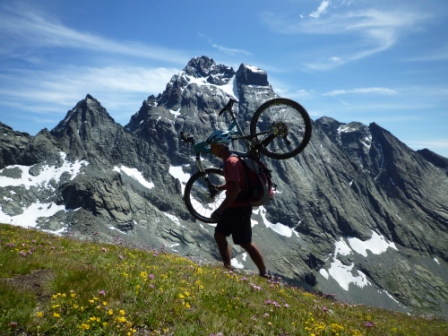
(265,274)
(230,268)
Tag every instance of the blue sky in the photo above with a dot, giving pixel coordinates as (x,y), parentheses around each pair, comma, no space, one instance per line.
(353,60)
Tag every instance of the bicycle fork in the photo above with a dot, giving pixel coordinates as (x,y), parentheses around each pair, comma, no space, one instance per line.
(210,187)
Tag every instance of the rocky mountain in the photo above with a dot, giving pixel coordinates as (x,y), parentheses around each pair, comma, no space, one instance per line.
(358,214)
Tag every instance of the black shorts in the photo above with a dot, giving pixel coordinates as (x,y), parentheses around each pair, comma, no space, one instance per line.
(236,222)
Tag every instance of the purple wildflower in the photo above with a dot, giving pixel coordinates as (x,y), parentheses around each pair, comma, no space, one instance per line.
(369,324)
(102,292)
(255,287)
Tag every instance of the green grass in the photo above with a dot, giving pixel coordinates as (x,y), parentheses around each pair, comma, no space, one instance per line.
(57,286)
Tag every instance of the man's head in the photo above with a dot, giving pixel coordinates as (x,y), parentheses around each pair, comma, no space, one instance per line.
(219,142)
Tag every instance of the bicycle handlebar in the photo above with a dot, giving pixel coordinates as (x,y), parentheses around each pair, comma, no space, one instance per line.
(228,106)
(187,138)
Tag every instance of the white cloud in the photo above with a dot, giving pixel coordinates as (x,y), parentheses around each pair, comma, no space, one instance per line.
(374,90)
(230,51)
(431,144)
(304,94)
(357,33)
(48,95)
(322,9)
(24,27)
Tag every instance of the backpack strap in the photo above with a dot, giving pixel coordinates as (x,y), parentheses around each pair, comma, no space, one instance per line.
(244,196)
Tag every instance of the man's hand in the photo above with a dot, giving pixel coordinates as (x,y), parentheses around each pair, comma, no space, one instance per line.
(216,215)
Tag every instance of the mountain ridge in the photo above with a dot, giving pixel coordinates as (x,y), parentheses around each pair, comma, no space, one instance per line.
(353,183)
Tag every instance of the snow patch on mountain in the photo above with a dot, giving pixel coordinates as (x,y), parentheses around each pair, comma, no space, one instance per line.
(31,213)
(135,174)
(344,274)
(46,175)
(228,88)
(178,173)
(279,228)
(377,244)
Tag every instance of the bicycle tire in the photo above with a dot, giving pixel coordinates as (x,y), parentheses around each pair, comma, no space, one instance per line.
(281,117)
(197,197)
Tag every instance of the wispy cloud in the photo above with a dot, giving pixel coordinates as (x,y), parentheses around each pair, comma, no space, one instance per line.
(373,90)
(322,8)
(230,51)
(356,33)
(22,27)
(225,50)
(436,145)
(51,94)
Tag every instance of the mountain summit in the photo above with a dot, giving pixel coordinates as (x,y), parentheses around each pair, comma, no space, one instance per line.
(358,213)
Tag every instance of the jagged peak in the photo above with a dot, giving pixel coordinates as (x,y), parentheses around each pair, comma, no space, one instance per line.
(200,66)
(434,158)
(251,75)
(88,110)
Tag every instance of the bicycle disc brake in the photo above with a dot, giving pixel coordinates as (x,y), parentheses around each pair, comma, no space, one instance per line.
(280,129)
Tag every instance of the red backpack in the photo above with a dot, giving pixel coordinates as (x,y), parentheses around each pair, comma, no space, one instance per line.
(259,187)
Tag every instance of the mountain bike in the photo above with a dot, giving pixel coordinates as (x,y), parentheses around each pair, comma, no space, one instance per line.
(280,129)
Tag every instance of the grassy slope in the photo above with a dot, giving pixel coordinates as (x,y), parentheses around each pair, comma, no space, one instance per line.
(57,286)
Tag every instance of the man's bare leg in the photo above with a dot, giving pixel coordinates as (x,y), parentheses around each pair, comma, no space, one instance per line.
(224,249)
(256,256)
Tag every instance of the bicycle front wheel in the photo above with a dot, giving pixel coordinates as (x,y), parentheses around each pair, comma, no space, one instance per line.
(282,126)
(200,198)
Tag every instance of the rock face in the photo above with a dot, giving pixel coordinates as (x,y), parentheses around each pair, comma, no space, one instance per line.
(357,214)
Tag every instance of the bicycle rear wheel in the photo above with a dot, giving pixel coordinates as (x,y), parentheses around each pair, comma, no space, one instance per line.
(200,199)
(282,126)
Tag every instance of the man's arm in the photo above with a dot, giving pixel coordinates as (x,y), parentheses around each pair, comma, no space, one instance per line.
(232,193)
(233,189)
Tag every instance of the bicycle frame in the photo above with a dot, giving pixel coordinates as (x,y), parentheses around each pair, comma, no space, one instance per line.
(234,128)
(251,142)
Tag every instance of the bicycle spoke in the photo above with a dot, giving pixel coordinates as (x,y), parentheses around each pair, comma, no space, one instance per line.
(200,200)
(286,123)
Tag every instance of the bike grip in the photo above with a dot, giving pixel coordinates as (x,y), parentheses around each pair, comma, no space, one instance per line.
(228,106)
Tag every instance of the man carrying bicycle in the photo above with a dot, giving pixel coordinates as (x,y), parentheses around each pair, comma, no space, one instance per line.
(234,213)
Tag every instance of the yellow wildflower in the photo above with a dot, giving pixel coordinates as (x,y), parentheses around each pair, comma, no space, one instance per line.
(56,315)
(39,314)
(84,326)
